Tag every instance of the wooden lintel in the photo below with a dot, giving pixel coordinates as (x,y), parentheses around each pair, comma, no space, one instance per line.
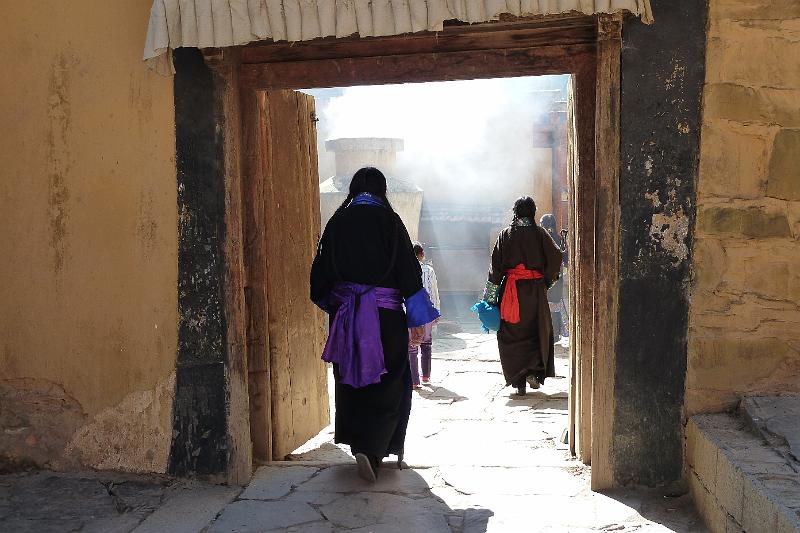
(448,66)
(492,36)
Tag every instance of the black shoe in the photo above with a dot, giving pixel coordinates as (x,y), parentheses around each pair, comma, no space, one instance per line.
(521,391)
(533,382)
(366,470)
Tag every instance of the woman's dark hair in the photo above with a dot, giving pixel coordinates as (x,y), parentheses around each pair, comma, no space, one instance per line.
(548,222)
(372,181)
(524,207)
(369,180)
(418,249)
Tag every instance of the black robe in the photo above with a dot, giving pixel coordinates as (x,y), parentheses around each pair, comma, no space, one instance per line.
(527,347)
(363,239)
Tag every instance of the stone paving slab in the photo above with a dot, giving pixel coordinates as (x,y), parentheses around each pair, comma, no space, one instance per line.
(314,497)
(345,479)
(271,483)
(189,506)
(515,481)
(393,511)
(313,527)
(253,516)
(49,501)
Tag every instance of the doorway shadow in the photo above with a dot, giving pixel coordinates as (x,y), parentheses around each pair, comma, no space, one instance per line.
(537,400)
(337,499)
(448,342)
(326,452)
(675,512)
(435,392)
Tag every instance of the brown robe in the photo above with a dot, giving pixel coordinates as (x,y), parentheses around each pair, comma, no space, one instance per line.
(527,347)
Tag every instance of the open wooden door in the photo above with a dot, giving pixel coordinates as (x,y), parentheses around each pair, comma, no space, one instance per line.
(286,332)
(581,128)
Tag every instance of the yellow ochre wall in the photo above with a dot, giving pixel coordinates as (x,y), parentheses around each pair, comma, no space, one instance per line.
(745,303)
(88,239)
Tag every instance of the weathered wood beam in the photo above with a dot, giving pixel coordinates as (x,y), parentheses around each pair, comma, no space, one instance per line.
(606,248)
(255,260)
(494,36)
(572,246)
(296,327)
(584,189)
(463,65)
(239,444)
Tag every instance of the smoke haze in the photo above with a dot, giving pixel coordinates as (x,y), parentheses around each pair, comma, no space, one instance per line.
(471,146)
(465,141)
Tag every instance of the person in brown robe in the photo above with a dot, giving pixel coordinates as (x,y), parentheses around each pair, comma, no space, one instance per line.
(525,261)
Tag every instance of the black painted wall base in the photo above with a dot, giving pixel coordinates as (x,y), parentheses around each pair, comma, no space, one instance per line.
(199,443)
(663,72)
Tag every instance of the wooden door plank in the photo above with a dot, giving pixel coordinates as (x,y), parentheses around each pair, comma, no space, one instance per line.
(279,253)
(293,284)
(299,398)
(317,405)
(255,253)
(239,468)
(606,248)
(585,82)
(574,346)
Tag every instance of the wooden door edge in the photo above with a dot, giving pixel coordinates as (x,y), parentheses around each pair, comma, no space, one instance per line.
(607,248)
(240,453)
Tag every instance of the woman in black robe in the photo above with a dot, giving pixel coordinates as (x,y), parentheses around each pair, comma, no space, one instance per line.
(525,261)
(366,245)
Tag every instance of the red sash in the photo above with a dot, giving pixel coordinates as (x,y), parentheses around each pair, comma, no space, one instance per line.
(509,305)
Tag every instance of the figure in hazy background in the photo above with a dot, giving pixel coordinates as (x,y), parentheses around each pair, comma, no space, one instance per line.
(525,261)
(555,295)
(364,271)
(426,346)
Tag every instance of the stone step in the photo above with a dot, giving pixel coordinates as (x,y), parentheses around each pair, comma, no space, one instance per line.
(738,480)
(777,419)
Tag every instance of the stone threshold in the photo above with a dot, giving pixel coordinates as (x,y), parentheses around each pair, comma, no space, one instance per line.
(739,481)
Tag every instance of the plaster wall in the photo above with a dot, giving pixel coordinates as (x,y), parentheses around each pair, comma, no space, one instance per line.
(88,251)
(744,326)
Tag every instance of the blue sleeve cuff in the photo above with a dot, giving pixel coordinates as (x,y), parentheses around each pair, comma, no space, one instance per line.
(420,310)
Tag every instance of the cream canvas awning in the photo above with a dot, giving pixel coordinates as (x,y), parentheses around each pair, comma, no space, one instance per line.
(220,23)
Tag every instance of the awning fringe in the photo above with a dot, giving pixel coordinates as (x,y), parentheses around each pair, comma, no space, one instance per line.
(221,23)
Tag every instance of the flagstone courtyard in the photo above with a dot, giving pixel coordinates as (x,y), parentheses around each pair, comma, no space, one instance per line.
(477,459)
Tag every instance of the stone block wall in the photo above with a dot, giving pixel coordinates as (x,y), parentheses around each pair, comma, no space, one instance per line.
(744,329)
(738,482)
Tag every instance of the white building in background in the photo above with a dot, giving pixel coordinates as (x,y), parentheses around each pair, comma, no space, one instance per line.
(352,154)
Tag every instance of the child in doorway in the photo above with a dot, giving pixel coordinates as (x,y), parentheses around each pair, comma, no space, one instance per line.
(430,285)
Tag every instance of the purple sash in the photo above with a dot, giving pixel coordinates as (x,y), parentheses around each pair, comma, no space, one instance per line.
(354,340)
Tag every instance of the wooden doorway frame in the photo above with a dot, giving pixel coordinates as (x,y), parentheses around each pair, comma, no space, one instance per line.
(588,48)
